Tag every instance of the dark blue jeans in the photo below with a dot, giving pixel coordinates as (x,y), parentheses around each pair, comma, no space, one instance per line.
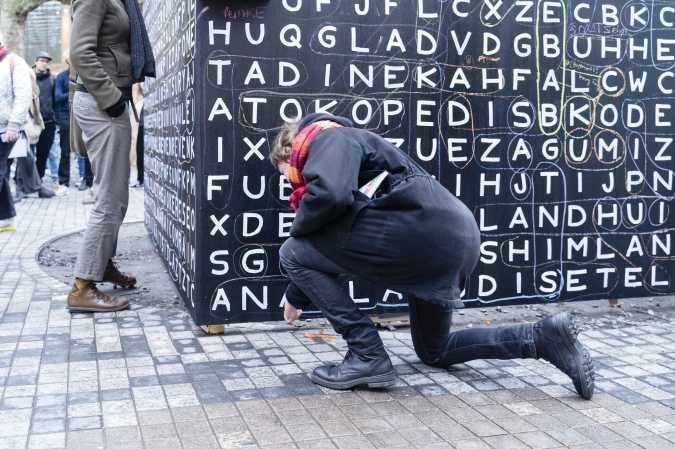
(314,279)
(6,201)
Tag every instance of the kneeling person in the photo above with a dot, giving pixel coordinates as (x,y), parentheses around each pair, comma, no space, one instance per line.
(413,236)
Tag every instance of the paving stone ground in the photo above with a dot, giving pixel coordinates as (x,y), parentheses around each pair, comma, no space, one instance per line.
(149,378)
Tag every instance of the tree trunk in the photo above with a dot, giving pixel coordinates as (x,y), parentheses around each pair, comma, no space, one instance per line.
(12,29)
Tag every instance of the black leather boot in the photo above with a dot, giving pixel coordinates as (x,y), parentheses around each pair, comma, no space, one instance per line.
(375,371)
(556,341)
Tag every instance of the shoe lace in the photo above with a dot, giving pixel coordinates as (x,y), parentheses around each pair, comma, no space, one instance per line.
(112,267)
(102,296)
(114,272)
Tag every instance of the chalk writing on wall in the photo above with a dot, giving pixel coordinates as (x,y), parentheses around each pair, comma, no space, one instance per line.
(169,113)
(552,120)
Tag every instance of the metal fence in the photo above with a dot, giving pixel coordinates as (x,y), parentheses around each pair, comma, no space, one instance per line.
(43,31)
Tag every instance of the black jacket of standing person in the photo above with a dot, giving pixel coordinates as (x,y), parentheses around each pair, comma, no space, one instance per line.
(46,83)
(415,236)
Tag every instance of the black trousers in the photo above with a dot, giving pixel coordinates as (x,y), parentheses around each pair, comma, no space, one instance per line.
(64,163)
(314,279)
(6,200)
(43,146)
(26,176)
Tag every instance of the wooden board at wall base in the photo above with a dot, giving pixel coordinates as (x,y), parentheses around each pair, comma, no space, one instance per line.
(213,329)
(391,321)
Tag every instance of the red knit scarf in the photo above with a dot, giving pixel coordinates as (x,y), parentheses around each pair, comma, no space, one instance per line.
(299,153)
(3,52)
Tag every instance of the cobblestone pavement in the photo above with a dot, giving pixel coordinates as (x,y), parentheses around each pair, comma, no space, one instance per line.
(147,377)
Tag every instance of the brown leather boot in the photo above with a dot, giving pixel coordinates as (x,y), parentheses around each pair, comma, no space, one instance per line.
(85,297)
(116,277)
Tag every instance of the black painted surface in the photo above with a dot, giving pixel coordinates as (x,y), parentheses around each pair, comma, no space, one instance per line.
(529,177)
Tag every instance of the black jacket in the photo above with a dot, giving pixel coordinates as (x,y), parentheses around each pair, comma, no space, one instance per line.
(415,237)
(46,83)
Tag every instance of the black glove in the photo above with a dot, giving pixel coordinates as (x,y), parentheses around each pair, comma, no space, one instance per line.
(117,109)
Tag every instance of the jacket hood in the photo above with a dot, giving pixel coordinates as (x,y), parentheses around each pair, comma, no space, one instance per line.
(318,116)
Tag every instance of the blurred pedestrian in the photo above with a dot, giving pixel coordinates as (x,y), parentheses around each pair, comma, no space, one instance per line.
(15,97)
(47,84)
(27,179)
(109,51)
(25,176)
(63,122)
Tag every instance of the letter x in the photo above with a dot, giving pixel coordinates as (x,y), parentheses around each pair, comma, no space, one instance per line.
(254,148)
(218,225)
(494,9)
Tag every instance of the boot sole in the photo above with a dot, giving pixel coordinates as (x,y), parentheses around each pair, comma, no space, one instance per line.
(87,309)
(379,381)
(569,331)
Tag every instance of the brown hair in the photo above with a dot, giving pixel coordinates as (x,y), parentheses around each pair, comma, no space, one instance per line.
(281,149)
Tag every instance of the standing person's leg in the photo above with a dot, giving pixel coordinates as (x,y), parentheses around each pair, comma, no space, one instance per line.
(553,339)
(64,162)
(53,159)
(87,182)
(28,179)
(80,166)
(110,165)
(18,194)
(80,171)
(107,140)
(7,211)
(19,181)
(316,276)
(88,173)
(26,176)
(44,145)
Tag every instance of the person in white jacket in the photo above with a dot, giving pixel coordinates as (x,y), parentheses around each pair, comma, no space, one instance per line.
(15,99)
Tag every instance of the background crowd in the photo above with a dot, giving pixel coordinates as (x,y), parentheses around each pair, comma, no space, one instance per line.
(35,149)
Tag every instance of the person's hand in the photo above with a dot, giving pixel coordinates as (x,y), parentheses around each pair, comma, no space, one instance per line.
(11,136)
(117,109)
(291,313)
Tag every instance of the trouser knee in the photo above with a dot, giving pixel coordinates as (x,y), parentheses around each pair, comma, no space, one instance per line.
(287,256)
(429,357)
(106,217)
